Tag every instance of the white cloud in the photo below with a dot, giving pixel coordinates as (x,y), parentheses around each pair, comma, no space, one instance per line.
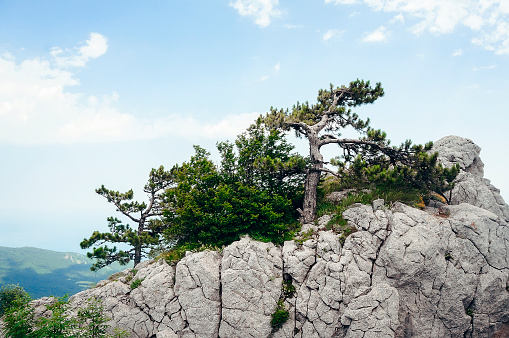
(457,52)
(95,46)
(378,35)
(228,127)
(277,67)
(261,10)
(476,69)
(37,107)
(398,18)
(488,19)
(264,78)
(331,34)
(292,26)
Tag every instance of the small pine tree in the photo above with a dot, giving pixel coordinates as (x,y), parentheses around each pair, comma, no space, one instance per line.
(149,226)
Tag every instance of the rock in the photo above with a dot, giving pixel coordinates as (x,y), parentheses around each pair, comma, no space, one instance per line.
(41,306)
(378,204)
(319,294)
(404,273)
(458,150)
(322,221)
(471,187)
(338,196)
(197,286)
(251,279)
(374,314)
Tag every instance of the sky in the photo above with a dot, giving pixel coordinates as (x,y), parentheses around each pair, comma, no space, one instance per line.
(99,92)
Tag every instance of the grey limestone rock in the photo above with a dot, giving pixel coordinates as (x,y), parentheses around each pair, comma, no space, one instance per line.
(197,286)
(442,268)
(143,311)
(251,279)
(404,273)
(471,186)
(374,314)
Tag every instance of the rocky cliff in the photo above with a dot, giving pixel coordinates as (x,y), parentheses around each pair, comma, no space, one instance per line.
(404,273)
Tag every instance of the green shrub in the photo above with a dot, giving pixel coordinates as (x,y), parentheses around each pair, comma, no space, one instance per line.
(448,256)
(8,294)
(93,321)
(255,190)
(288,289)
(90,323)
(136,283)
(280,315)
(58,325)
(18,317)
(176,253)
(304,236)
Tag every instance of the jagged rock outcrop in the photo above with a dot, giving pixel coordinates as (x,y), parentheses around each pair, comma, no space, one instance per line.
(405,272)
(471,186)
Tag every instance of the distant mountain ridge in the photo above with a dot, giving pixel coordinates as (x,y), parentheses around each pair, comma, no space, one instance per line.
(45,272)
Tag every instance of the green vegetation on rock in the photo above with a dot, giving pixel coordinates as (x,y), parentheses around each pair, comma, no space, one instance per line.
(20,320)
(260,185)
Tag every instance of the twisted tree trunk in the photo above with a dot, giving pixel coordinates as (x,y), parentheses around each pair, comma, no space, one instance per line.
(312,178)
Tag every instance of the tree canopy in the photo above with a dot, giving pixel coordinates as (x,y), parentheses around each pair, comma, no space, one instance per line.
(254,190)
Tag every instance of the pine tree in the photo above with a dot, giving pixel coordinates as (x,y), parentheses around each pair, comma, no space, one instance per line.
(322,123)
(145,216)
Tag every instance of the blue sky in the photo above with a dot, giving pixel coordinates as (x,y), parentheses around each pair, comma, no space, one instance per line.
(100,92)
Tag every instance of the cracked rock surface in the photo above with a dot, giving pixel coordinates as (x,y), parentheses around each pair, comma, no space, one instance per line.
(471,186)
(251,278)
(404,273)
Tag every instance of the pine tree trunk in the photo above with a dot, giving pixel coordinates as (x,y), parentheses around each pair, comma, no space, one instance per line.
(137,254)
(312,179)
(310,187)
(137,247)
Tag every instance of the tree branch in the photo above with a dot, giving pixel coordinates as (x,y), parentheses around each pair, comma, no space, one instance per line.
(298,126)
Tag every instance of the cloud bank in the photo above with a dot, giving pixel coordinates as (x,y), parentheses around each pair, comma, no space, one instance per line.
(487,19)
(36,106)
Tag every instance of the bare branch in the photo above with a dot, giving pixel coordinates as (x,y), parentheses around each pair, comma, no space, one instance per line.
(325,170)
(300,126)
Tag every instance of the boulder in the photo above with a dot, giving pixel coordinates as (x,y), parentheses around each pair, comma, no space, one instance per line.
(471,186)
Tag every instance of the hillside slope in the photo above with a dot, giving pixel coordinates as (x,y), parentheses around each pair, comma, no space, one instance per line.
(44,272)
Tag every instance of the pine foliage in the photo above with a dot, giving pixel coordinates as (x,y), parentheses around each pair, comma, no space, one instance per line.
(252,191)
